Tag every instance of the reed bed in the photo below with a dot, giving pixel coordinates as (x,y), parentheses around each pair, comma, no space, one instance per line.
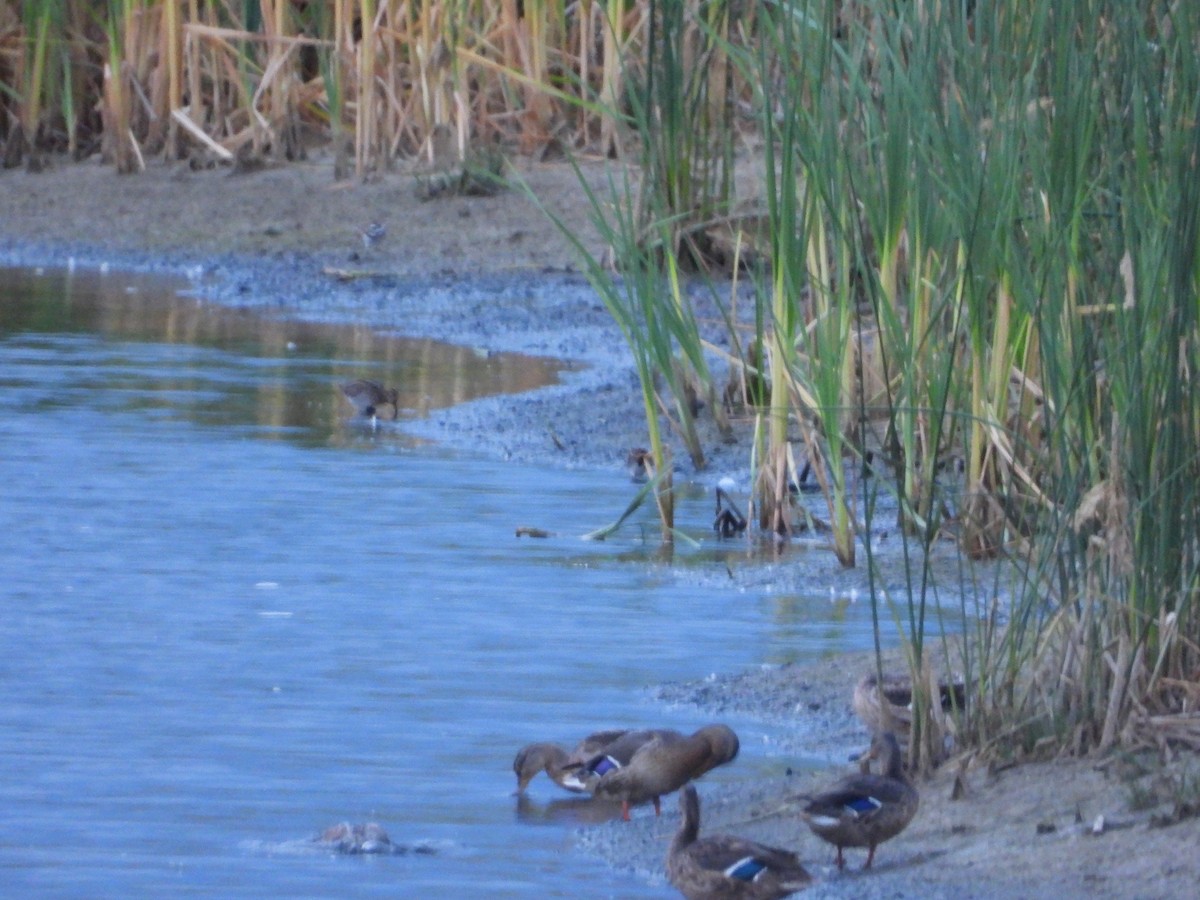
(975,266)
(218,80)
(981,225)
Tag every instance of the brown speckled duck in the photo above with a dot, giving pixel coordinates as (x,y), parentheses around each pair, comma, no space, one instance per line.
(887,706)
(663,765)
(725,867)
(371,399)
(865,810)
(569,770)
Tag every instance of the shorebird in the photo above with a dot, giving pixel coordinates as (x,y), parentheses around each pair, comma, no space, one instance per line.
(373,234)
(371,399)
(865,810)
(723,866)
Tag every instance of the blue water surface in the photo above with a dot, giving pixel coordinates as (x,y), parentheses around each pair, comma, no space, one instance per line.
(231,619)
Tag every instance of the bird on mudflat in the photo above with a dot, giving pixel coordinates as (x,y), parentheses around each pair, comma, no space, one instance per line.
(373,234)
(864,810)
(724,867)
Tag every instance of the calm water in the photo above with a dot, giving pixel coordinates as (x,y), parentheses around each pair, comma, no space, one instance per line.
(231,619)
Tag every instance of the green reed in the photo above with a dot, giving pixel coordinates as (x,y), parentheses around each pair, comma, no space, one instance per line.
(979,233)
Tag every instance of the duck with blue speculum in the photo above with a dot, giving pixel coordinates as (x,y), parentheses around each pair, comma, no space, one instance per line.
(617,754)
(726,867)
(866,809)
(571,771)
(662,766)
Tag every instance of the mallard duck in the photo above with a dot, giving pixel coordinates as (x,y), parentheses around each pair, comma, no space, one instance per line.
(347,838)
(371,399)
(587,770)
(865,810)
(665,764)
(724,866)
(888,706)
(566,769)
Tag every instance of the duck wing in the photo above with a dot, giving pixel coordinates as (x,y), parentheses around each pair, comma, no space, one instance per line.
(739,858)
(859,798)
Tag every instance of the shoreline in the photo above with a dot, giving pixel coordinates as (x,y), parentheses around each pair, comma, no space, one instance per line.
(275,235)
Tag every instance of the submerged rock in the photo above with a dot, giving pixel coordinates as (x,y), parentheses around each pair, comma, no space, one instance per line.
(368,838)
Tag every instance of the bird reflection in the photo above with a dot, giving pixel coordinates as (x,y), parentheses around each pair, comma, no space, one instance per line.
(567,811)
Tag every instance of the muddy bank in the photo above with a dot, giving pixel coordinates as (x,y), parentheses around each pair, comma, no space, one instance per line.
(271,239)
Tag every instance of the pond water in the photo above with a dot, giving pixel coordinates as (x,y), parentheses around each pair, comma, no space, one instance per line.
(232,618)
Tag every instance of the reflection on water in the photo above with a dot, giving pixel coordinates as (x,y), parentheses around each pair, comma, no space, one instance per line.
(572,811)
(286,373)
(224,633)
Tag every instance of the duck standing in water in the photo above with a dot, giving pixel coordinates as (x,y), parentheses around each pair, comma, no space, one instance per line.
(865,810)
(567,770)
(371,399)
(663,765)
(722,866)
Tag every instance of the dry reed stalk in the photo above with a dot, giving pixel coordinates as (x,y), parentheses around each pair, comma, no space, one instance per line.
(269,129)
(115,114)
(771,490)
(391,33)
(191,55)
(364,107)
(612,85)
(527,54)
(185,121)
(1120,670)
(14,71)
(172,52)
(269,104)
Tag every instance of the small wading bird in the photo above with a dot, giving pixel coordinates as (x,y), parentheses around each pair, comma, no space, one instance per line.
(663,765)
(371,399)
(723,866)
(729,521)
(640,463)
(373,234)
(568,770)
(865,810)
